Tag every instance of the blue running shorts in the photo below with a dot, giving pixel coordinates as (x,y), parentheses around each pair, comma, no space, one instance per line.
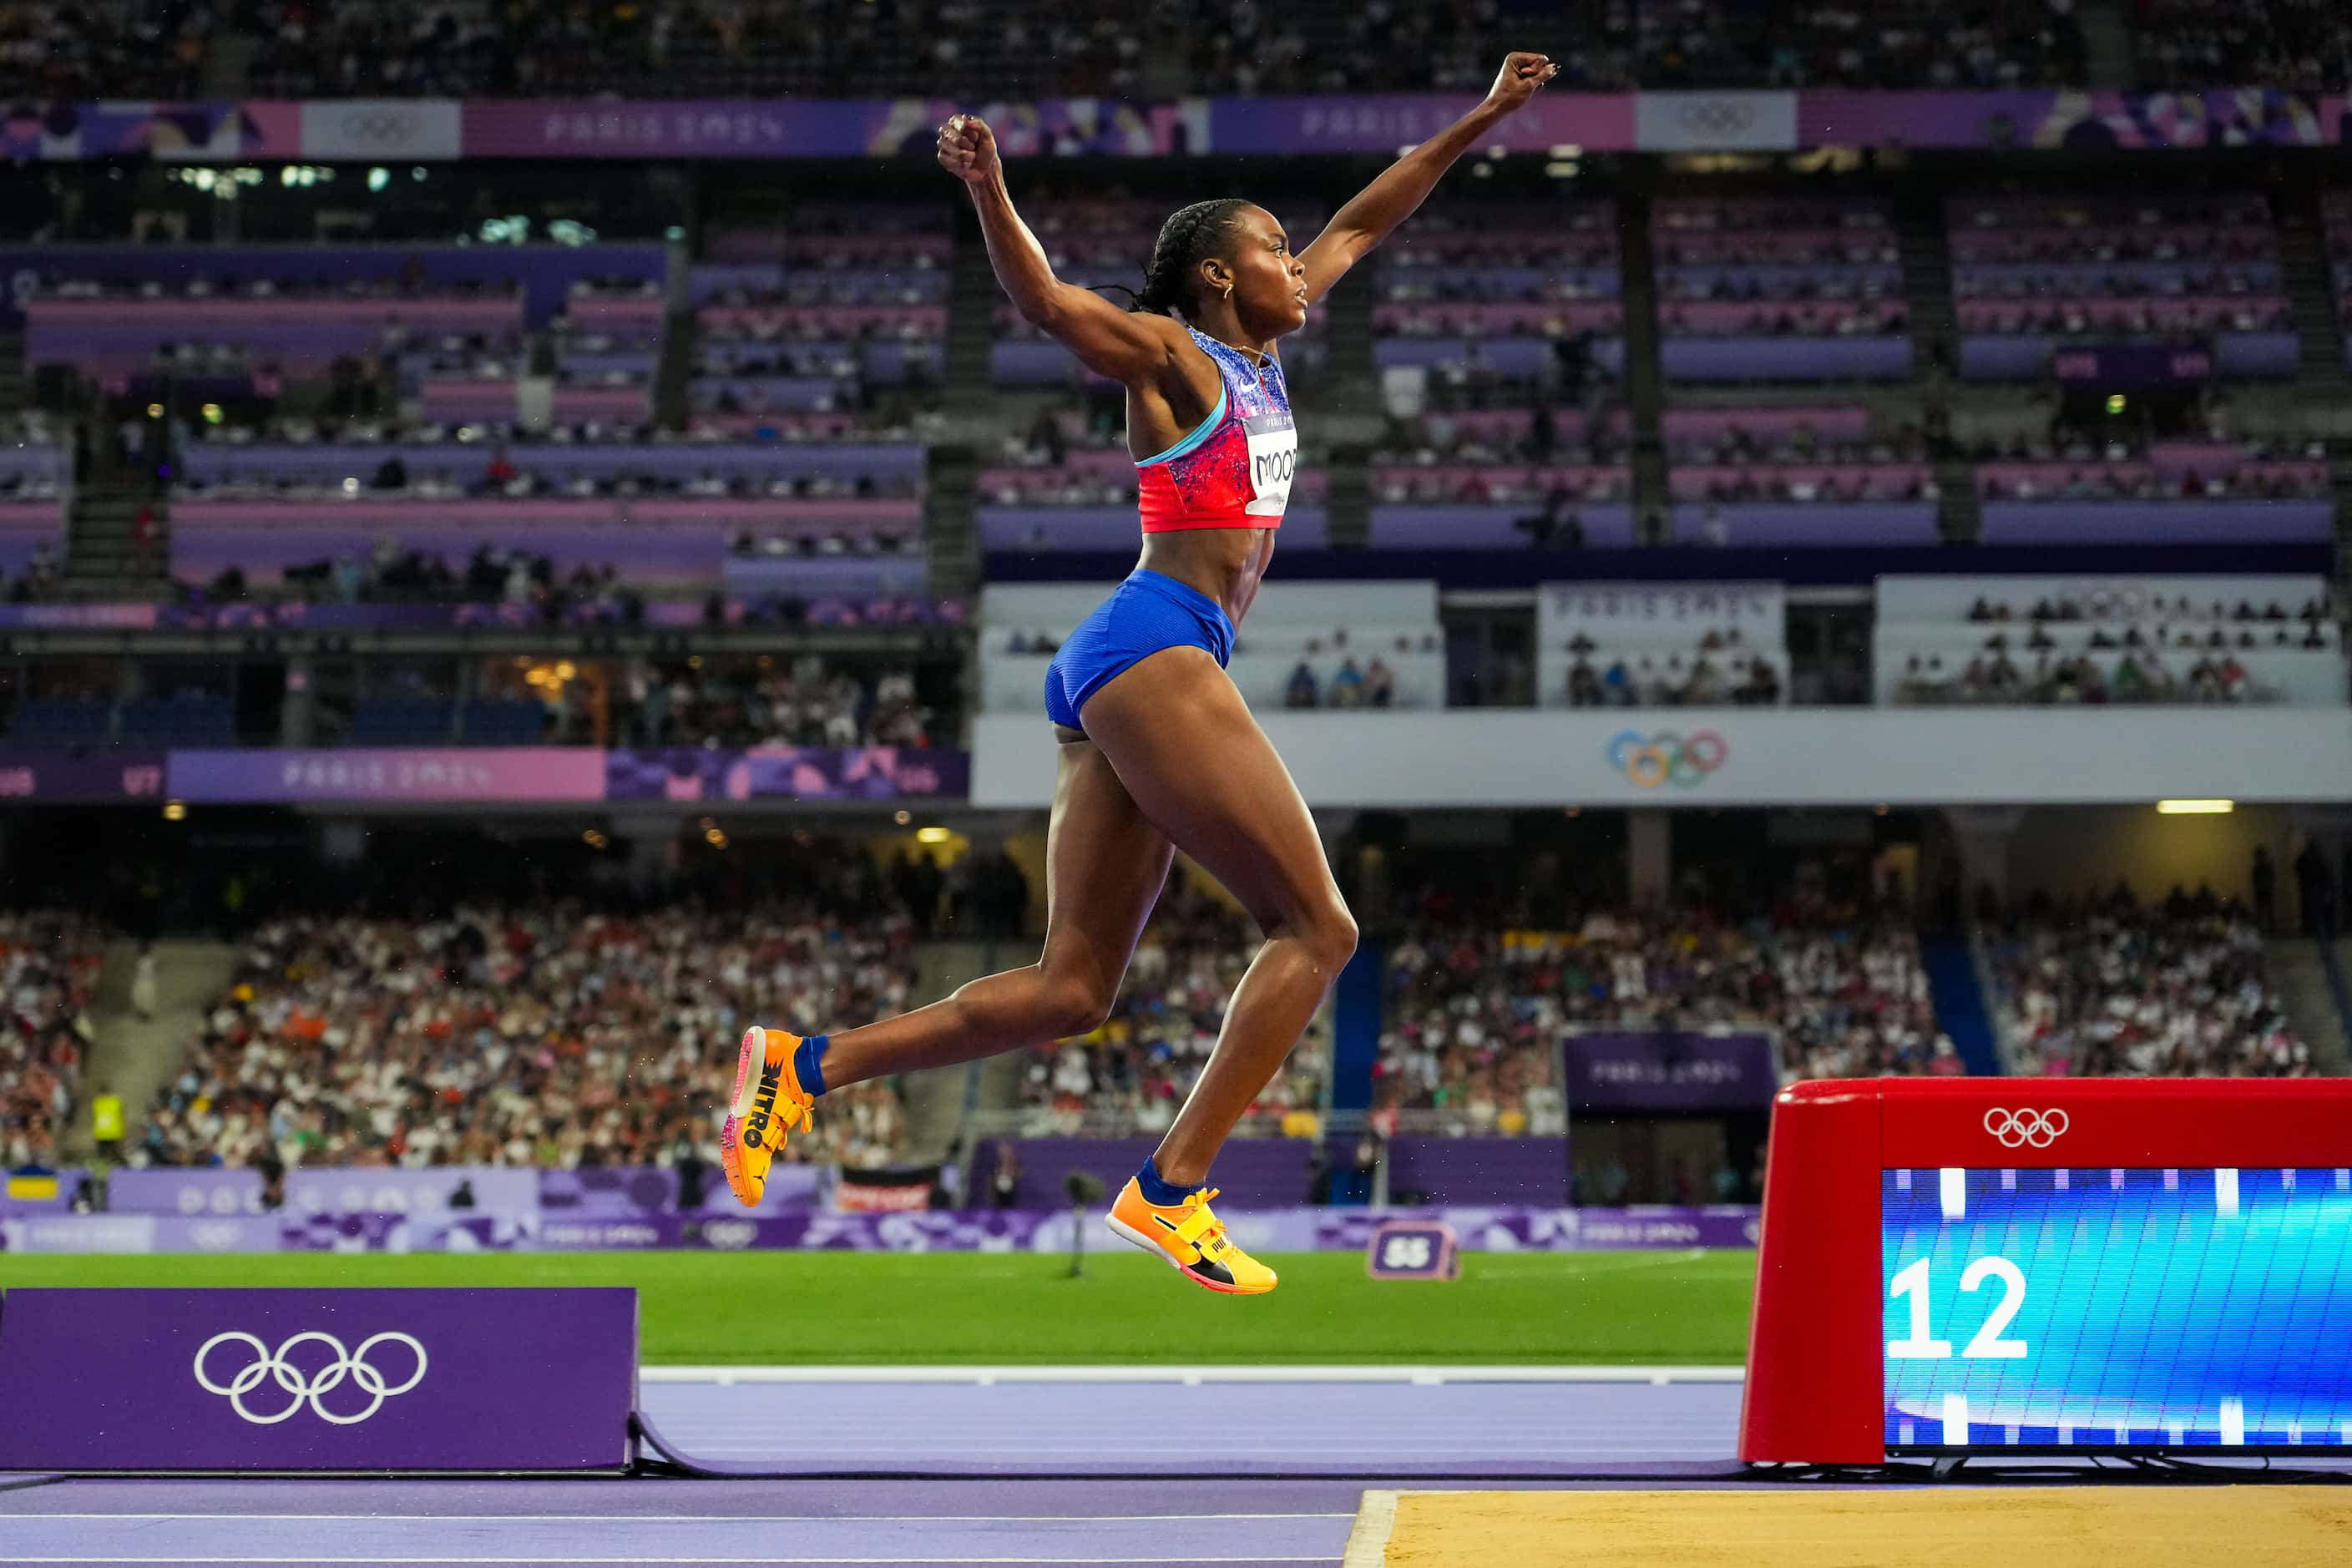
(1147,612)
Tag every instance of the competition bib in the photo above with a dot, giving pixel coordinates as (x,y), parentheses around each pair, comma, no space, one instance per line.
(1273,461)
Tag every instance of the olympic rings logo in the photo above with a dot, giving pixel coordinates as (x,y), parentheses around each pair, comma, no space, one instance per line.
(1716,116)
(387,127)
(2016,1129)
(311,1388)
(1650,761)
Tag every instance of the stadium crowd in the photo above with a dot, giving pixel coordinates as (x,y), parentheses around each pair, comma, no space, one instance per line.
(2299,45)
(397,461)
(1476,1010)
(49,962)
(1717,671)
(764,702)
(978,48)
(1133,1073)
(2105,987)
(2136,675)
(975,48)
(519,1033)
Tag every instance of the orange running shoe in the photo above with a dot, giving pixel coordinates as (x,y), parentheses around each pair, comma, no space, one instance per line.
(769,1103)
(1191,1239)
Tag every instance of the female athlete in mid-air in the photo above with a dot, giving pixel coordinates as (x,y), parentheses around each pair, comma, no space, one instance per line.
(1157,750)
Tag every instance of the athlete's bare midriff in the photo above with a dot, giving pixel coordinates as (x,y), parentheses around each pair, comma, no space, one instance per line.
(1226,564)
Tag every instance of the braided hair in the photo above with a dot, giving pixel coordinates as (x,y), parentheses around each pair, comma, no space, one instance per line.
(1191,236)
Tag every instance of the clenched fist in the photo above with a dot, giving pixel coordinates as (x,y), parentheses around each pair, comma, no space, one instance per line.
(1516,82)
(967,149)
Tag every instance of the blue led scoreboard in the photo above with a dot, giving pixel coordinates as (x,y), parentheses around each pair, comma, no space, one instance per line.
(2039,1266)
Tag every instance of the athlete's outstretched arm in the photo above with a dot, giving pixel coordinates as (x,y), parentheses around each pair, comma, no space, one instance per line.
(1131,347)
(1388,200)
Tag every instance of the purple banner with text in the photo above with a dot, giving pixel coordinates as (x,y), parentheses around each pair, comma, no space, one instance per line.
(296,615)
(420,130)
(461,776)
(822,128)
(452,776)
(522,1380)
(1481,1228)
(1383,123)
(2109,366)
(1664,1069)
(2071,120)
(95,775)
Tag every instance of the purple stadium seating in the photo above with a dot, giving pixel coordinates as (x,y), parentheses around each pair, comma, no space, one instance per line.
(1017,527)
(1772,522)
(2026,357)
(756,577)
(662,542)
(1461,483)
(1876,481)
(468,400)
(301,336)
(545,275)
(1456,318)
(1407,526)
(779,393)
(467,463)
(1787,359)
(1838,422)
(786,323)
(25,527)
(2158,522)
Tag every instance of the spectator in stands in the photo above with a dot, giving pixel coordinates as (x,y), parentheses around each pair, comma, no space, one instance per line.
(1004,1181)
(502,474)
(2316,887)
(1348,685)
(106,1123)
(48,962)
(1300,691)
(2107,987)
(2263,877)
(1559,526)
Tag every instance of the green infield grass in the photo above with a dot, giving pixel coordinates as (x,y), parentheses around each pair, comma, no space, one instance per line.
(1004,1309)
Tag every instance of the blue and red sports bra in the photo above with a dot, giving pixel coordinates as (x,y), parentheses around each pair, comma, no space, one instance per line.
(1235,469)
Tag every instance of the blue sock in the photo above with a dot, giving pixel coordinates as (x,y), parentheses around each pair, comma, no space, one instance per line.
(808,1062)
(1158,1192)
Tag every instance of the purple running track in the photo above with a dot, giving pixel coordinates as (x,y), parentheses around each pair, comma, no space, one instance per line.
(1299,1437)
(1289,1429)
(1099,1525)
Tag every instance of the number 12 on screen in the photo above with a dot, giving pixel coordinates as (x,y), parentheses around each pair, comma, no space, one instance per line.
(1914,1284)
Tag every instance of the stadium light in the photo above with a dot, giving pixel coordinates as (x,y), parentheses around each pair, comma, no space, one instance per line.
(176,811)
(932,836)
(902,817)
(2196,807)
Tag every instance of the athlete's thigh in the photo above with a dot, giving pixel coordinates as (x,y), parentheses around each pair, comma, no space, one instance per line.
(1192,757)
(1105,865)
